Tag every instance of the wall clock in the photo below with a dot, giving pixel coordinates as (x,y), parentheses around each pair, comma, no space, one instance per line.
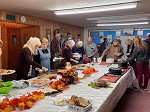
(23,19)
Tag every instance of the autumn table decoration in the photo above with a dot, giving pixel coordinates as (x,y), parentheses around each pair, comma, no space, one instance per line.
(22,102)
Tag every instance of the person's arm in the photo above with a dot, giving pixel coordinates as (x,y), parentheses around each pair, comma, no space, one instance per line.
(122,53)
(134,54)
(29,60)
(68,57)
(105,51)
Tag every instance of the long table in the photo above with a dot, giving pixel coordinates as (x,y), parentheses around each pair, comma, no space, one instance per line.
(103,99)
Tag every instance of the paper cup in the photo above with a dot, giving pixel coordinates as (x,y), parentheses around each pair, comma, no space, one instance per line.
(99,60)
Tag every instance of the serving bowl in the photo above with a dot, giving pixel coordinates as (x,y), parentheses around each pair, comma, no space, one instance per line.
(5,87)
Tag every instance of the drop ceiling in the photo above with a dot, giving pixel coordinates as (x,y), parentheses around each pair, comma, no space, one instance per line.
(45,9)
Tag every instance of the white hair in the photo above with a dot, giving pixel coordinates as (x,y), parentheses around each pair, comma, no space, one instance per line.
(31,43)
(70,42)
(80,43)
(147,34)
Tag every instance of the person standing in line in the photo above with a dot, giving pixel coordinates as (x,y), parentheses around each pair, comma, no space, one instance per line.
(55,51)
(44,55)
(67,54)
(69,37)
(79,48)
(148,43)
(112,51)
(103,46)
(90,48)
(25,63)
(142,55)
(130,48)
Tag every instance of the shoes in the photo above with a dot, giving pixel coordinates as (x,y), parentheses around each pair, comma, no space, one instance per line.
(145,89)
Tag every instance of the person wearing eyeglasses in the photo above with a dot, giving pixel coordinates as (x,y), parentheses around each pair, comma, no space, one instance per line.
(44,55)
(25,63)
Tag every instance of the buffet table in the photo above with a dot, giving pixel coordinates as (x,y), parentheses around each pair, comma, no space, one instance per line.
(103,99)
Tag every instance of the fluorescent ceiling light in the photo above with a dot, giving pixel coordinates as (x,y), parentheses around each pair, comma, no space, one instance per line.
(120,17)
(121,20)
(118,24)
(96,9)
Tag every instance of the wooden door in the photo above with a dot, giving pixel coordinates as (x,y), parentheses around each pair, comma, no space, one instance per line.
(14,37)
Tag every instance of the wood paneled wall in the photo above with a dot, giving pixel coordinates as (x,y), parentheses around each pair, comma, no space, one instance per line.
(33,27)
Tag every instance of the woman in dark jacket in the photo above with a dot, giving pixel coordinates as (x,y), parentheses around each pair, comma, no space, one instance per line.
(24,67)
(141,54)
(130,48)
(68,54)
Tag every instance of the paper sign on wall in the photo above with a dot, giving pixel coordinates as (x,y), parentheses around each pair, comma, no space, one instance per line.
(109,38)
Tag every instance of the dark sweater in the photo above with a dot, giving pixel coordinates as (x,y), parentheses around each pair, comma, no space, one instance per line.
(141,56)
(25,60)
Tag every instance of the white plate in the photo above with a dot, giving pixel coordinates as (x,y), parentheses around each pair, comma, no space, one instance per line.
(40,70)
(8,72)
(74,108)
(42,84)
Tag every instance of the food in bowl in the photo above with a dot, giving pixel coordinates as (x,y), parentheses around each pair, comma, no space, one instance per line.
(5,87)
(78,101)
(78,104)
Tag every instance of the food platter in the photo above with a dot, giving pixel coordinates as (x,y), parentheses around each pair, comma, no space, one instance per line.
(39,82)
(6,72)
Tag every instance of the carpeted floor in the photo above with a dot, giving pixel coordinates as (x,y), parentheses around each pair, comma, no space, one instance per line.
(134,101)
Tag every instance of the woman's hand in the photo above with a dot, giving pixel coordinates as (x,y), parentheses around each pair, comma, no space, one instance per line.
(44,69)
(77,62)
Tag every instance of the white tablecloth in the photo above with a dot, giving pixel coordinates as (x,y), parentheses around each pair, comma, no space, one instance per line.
(104,99)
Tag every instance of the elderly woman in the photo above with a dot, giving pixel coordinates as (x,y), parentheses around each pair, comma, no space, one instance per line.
(141,54)
(78,48)
(68,54)
(44,55)
(25,63)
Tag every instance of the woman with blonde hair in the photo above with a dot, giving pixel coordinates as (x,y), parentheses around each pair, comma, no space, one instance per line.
(44,55)
(130,48)
(141,54)
(25,63)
